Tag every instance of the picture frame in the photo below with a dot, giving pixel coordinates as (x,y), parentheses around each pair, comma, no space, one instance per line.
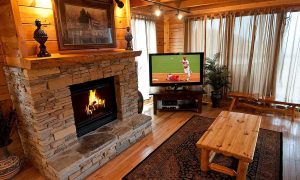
(85,24)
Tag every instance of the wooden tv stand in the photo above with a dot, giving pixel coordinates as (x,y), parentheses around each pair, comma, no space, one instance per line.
(178,95)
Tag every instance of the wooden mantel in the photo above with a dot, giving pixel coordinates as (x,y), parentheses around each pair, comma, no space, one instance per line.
(75,58)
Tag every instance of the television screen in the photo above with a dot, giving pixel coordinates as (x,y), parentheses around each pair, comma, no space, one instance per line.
(176,69)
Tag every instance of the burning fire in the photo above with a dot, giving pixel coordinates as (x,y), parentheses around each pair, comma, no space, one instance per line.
(94,103)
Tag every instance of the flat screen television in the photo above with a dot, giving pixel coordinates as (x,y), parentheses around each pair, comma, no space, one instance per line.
(176,69)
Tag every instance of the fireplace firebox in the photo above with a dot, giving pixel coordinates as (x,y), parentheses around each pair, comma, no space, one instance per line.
(94,104)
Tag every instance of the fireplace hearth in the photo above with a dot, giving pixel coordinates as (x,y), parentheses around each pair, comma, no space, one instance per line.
(94,104)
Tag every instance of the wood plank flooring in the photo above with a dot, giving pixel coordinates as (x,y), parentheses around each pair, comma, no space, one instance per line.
(166,123)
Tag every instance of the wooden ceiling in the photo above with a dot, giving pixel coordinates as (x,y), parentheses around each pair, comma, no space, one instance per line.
(189,3)
(206,6)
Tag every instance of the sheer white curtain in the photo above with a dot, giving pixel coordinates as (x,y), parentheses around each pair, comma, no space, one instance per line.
(215,37)
(253,54)
(144,38)
(196,35)
(208,35)
(246,44)
(288,69)
(264,54)
(240,52)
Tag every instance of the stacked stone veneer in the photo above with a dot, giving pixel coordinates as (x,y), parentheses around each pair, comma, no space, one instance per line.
(46,121)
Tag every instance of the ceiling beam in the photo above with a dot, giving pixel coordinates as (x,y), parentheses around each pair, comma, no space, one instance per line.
(246,6)
(168,6)
(180,3)
(141,3)
(185,4)
(200,3)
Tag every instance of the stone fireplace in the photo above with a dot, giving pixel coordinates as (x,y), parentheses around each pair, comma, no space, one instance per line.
(76,111)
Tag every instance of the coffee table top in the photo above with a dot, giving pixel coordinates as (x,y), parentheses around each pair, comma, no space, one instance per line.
(232,134)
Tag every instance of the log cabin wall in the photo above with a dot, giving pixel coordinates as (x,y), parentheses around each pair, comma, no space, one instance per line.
(176,34)
(27,11)
(8,50)
(160,35)
(4,94)
(169,34)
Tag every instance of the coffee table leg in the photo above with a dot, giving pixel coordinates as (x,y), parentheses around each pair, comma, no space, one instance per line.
(204,160)
(242,170)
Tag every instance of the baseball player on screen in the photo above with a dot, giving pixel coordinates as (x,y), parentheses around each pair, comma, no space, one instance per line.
(186,67)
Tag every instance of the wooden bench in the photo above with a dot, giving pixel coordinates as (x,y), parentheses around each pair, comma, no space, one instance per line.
(231,134)
(265,101)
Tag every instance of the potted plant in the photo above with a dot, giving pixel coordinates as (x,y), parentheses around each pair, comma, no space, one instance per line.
(9,164)
(217,76)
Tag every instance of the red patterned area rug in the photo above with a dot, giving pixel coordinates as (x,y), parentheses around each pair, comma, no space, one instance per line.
(178,157)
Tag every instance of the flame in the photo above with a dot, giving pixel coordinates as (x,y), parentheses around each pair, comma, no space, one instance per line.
(94,103)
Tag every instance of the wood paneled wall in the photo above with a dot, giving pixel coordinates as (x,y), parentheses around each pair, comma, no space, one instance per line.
(8,49)
(160,35)
(4,94)
(169,34)
(166,33)
(176,34)
(122,20)
(27,11)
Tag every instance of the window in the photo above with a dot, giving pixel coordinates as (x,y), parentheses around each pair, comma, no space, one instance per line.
(144,38)
(262,50)
(288,69)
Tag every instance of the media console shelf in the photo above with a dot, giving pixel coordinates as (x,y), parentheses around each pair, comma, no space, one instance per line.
(169,95)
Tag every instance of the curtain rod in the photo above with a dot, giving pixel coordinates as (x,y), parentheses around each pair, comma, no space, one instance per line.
(171,7)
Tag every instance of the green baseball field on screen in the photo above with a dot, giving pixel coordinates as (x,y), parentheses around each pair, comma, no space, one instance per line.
(173,63)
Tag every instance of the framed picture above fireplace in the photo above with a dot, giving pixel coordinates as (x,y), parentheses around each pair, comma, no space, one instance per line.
(85,24)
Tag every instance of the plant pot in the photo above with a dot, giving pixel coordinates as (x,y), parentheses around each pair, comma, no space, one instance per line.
(9,164)
(216,97)
(140,102)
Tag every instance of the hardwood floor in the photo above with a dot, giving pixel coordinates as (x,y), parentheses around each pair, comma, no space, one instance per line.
(166,123)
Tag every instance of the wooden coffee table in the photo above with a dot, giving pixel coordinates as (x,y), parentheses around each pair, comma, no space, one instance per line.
(231,134)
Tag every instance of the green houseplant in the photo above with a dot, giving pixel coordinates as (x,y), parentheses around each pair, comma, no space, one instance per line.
(217,76)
